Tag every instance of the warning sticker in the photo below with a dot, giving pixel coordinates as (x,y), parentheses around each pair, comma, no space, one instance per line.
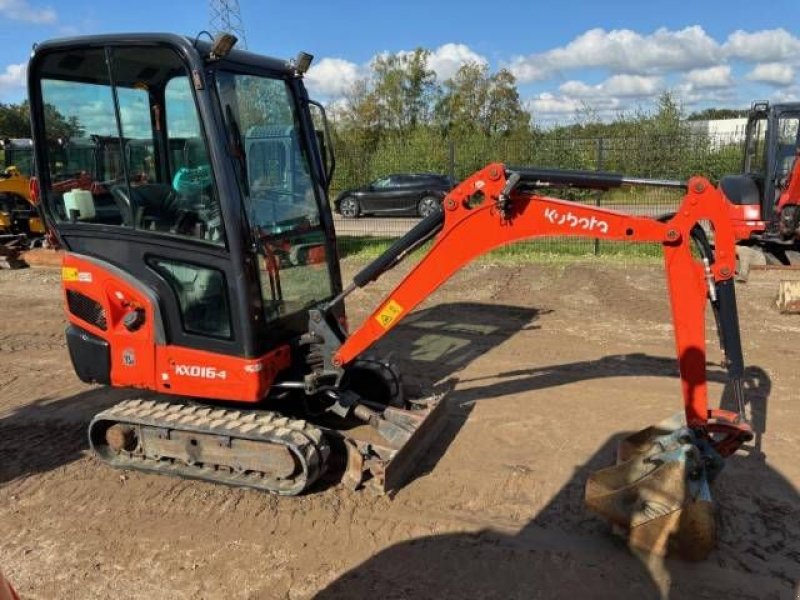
(389,314)
(73,274)
(69,274)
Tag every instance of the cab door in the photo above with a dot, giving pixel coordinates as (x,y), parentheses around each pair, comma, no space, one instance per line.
(151,227)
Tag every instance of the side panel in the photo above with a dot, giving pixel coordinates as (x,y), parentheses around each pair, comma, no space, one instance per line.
(746,219)
(188,372)
(122,320)
(132,350)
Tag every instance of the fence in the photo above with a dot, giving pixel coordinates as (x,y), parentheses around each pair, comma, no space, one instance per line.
(657,156)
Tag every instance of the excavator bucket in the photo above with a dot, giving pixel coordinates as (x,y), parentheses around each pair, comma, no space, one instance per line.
(658,494)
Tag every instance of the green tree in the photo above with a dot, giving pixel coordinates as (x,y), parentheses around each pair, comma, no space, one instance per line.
(402,89)
(474,100)
(711,114)
(15,122)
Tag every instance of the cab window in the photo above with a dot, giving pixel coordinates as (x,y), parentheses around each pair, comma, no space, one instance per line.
(116,120)
(281,197)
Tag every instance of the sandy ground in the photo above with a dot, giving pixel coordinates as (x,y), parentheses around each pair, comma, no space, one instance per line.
(544,366)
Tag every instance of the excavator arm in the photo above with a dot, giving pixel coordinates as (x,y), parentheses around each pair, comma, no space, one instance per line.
(659,490)
(496,206)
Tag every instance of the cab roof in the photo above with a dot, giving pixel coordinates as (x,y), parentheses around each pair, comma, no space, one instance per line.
(194,50)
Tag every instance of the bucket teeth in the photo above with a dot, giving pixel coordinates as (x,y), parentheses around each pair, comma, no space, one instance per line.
(658,492)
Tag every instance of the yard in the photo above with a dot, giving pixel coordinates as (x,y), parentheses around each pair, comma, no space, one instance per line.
(543,366)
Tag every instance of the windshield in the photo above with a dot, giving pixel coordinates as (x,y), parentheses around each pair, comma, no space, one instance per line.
(281,196)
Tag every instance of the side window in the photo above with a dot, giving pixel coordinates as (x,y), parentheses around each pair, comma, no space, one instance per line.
(754,163)
(135,172)
(192,181)
(788,133)
(202,296)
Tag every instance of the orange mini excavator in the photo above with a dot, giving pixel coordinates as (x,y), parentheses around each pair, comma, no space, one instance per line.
(201,266)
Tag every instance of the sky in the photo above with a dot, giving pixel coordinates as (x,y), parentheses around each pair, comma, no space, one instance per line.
(568,56)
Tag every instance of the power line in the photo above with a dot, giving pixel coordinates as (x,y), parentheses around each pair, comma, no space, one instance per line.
(226,16)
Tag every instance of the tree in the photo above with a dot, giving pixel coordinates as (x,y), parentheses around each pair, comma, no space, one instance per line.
(712,114)
(15,122)
(403,87)
(504,109)
(473,100)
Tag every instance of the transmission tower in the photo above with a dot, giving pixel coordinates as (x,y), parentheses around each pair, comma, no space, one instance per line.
(226,16)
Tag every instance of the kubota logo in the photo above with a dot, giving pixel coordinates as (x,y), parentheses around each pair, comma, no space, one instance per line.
(201,372)
(574,221)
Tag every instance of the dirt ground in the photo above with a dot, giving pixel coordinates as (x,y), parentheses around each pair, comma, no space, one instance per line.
(544,365)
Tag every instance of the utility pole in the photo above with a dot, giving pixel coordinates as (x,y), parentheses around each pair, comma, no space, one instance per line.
(226,16)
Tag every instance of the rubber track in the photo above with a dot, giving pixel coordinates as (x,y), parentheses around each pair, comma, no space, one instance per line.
(306,442)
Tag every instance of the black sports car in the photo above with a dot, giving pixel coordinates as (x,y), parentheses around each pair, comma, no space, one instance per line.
(401,194)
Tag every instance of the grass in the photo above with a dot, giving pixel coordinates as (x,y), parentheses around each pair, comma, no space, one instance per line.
(365,248)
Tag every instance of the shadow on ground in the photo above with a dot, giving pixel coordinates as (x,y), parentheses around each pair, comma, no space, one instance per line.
(430,345)
(564,552)
(50,432)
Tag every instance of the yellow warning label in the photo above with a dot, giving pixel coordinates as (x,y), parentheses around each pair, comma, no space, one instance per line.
(69,274)
(389,314)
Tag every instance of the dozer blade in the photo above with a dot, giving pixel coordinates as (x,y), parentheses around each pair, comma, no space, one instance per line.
(384,456)
(658,492)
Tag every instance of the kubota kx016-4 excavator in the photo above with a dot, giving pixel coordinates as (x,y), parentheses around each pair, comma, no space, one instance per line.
(210,277)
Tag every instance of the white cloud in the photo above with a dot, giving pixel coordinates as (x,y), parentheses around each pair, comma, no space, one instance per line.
(332,77)
(635,67)
(631,86)
(710,78)
(772,73)
(767,45)
(624,51)
(551,105)
(13,77)
(20,10)
(791,94)
(446,60)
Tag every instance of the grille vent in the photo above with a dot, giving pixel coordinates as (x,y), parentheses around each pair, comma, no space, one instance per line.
(86,309)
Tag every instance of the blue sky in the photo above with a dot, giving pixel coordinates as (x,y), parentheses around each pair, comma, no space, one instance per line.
(567,55)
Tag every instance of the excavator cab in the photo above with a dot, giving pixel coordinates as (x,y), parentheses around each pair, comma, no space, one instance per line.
(763,205)
(174,200)
(188,187)
(18,153)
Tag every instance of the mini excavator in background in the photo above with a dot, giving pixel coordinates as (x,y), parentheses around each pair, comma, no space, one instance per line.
(201,267)
(18,217)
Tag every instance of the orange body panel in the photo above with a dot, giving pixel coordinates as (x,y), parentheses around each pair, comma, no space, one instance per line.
(137,358)
(189,372)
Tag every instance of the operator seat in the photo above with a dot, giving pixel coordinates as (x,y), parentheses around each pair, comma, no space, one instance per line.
(155,205)
(740,189)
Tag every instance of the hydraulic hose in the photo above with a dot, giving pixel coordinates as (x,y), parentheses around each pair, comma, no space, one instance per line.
(417,235)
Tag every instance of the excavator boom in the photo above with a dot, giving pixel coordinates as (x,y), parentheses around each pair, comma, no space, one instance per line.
(498,206)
